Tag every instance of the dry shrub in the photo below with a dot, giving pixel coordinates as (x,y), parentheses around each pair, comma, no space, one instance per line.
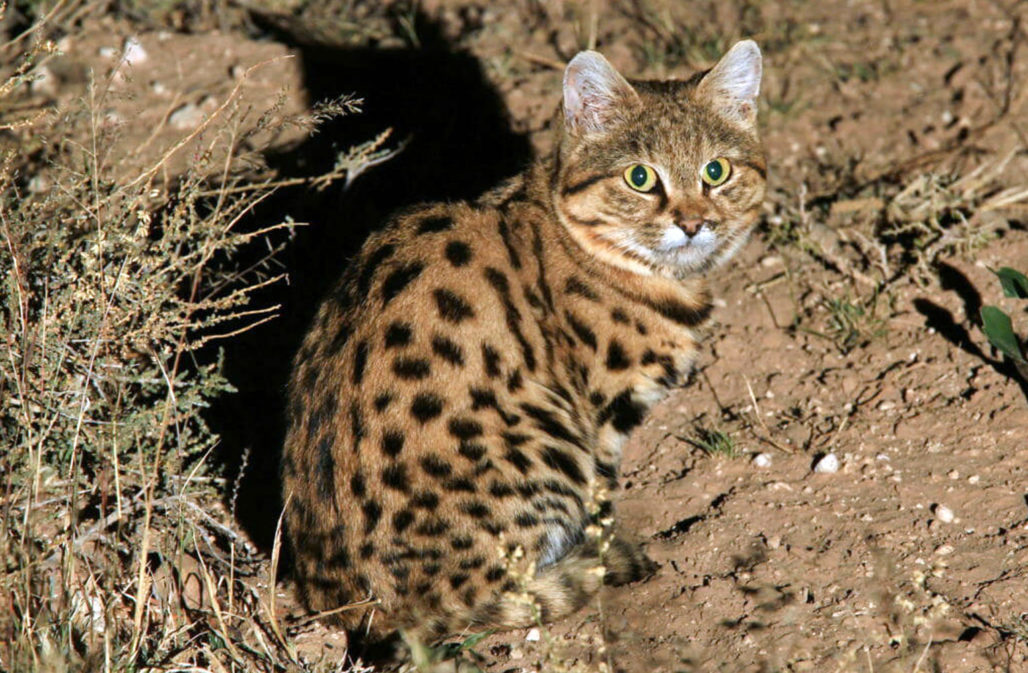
(116,551)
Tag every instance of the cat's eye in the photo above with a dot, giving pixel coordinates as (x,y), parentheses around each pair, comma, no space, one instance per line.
(716,172)
(641,177)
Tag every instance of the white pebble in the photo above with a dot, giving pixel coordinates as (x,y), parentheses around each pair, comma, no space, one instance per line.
(973,479)
(186,117)
(43,82)
(532,636)
(828,464)
(133,52)
(762,460)
(107,52)
(943,513)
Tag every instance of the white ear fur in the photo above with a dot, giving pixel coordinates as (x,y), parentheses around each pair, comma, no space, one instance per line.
(594,92)
(734,82)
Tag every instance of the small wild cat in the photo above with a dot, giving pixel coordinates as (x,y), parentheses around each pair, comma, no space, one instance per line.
(465,391)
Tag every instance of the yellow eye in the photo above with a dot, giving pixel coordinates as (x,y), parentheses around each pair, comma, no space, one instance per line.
(716,172)
(641,177)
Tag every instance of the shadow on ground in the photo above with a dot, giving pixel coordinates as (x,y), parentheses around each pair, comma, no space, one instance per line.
(940,319)
(460,144)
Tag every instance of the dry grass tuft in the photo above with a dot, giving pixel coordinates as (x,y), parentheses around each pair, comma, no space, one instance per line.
(118,553)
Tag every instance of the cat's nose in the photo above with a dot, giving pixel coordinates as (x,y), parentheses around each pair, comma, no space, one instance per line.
(690,225)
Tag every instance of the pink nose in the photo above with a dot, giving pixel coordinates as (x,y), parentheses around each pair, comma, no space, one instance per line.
(691,226)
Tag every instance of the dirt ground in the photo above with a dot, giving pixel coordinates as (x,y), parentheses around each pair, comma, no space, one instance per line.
(833,336)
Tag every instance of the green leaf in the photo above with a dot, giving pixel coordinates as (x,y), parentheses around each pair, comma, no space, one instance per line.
(997,326)
(1015,283)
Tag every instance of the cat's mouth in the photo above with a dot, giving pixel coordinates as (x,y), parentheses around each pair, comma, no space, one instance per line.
(677,248)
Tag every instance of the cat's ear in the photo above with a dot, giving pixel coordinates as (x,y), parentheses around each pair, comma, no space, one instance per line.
(595,94)
(733,84)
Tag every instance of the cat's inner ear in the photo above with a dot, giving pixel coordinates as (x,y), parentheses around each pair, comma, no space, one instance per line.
(733,84)
(595,94)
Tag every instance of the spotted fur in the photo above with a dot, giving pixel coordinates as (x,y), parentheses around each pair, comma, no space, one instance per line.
(457,411)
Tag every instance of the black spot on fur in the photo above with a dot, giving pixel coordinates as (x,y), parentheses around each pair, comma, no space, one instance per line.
(448,350)
(499,489)
(471,563)
(617,358)
(402,519)
(575,286)
(357,486)
(367,550)
(526,520)
(392,443)
(357,424)
(432,528)
(458,252)
(623,413)
(426,406)
(433,225)
(491,358)
(374,260)
(457,580)
(515,381)
(372,513)
(360,360)
(340,338)
(475,509)
(473,451)
(400,278)
(563,463)
(425,500)
(620,316)
(546,421)
(515,260)
(326,467)
(452,307)
(683,314)
(382,401)
(583,331)
(518,459)
(434,466)
(459,485)
(495,574)
(394,476)
(398,334)
(411,369)
(461,542)
(465,428)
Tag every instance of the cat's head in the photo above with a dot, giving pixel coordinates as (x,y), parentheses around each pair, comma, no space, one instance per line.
(661,177)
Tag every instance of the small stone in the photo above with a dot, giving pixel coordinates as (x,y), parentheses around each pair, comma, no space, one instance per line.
(973,479)
(43,83)
(953,474)
(944,549)
(827,464)
(771,260)
(532,636)
(132,52)
(107,52)
(762,460)
(38,184)
(186,117)
(159,88)
(943,513)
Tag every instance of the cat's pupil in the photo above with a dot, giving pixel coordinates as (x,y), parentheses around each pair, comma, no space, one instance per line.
(715,171)
(639,176)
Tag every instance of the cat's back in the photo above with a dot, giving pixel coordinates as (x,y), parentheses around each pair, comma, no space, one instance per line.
(403,397)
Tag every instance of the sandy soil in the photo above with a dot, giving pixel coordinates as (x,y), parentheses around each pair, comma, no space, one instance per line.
(913,555)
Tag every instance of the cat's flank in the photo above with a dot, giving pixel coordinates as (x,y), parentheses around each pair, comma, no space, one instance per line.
(458,409)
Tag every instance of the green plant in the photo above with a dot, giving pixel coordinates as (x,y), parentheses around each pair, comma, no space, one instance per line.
(998,326)
(714,442)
